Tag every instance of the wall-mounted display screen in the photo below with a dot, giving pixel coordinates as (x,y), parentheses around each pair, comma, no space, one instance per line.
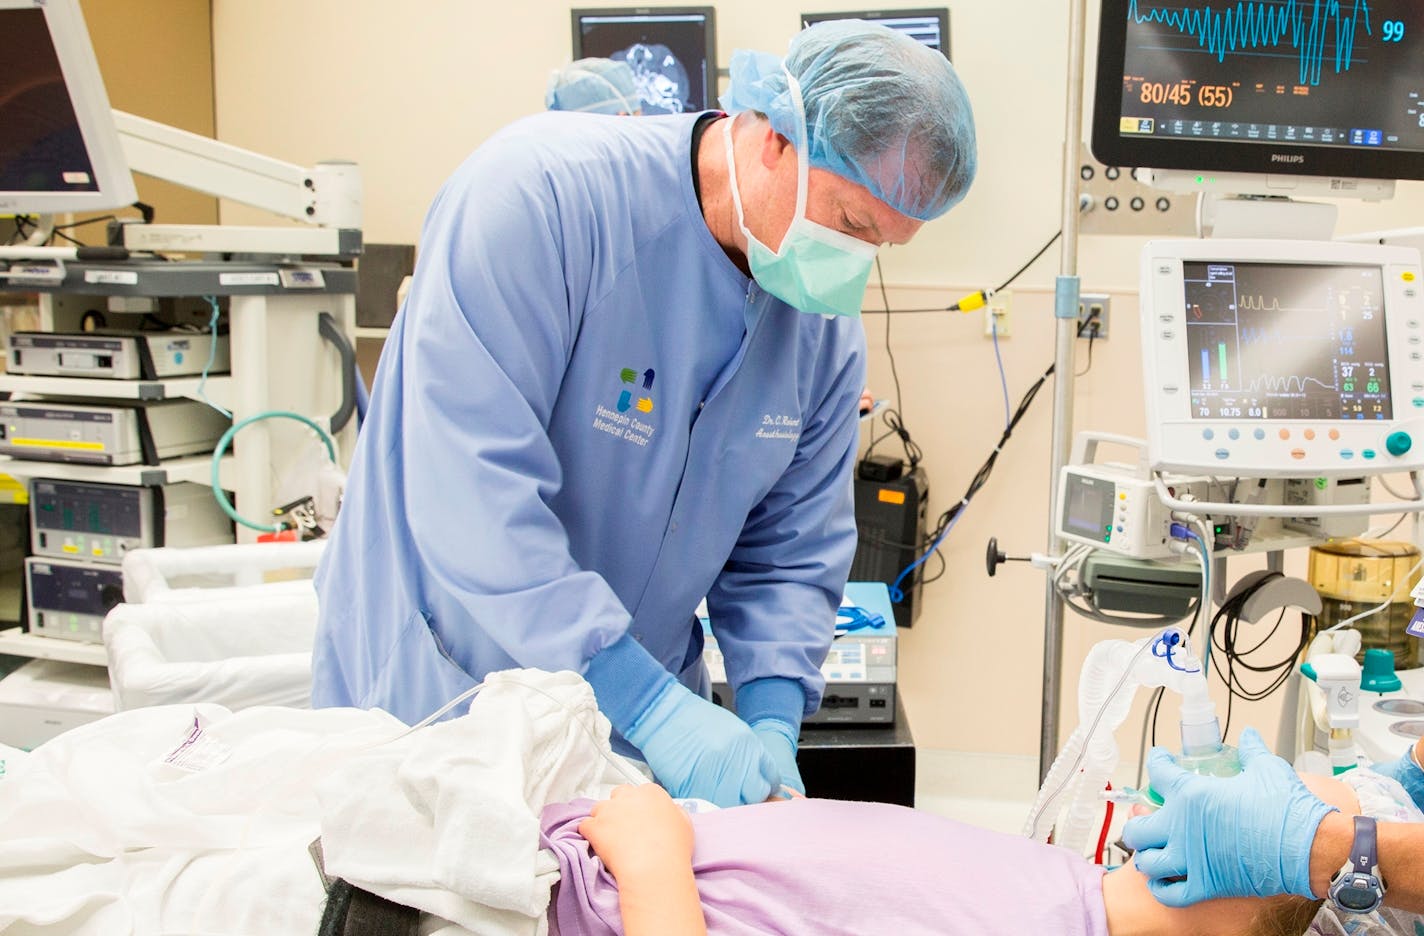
(1266,86)
(929,26)
(672,51)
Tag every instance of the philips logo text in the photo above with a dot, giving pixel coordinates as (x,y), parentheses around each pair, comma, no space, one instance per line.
(1287,158)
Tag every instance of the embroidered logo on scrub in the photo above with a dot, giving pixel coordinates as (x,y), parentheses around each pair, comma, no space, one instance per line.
(779,426)
(625,399)
(634,400)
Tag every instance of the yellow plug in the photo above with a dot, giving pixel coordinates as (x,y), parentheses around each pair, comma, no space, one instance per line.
(974,300)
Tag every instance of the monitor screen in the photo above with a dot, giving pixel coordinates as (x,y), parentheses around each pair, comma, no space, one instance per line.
(672,51)
(1270,86)
(1088,507)
(1286,341)
(927,26)
(58,147)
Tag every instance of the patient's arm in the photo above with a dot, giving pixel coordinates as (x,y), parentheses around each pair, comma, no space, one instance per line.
(645,841)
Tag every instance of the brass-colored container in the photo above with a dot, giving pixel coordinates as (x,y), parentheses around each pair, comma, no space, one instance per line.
(1353,576)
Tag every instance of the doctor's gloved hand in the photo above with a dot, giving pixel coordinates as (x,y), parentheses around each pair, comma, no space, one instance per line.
(780,742)
(1244,836)
(699,749)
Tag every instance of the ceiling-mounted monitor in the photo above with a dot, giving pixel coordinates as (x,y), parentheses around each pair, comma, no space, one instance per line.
(1284,88)
(672,51)
(59,151)
(929,26)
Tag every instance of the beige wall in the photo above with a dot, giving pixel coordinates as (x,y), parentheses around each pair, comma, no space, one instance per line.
(408,90)
(159,67)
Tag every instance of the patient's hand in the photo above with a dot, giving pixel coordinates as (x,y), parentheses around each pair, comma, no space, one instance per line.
(645,841)
(639,829)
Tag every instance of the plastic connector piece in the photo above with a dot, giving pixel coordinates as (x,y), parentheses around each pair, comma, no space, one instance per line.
(1181,531)
(974,300)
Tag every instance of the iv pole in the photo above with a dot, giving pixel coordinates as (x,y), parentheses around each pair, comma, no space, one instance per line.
(1065,311)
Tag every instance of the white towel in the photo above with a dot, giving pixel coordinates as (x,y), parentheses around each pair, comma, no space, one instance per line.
(98,834)
(447,820)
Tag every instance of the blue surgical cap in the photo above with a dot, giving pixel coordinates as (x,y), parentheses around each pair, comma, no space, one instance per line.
(595,86)
(882,110)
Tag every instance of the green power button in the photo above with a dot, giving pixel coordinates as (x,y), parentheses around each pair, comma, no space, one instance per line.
(1398,443)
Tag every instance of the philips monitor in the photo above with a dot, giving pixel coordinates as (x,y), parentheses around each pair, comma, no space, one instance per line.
(1284,87)
(1283,358)
(927,26)
(59,151)
(672,51)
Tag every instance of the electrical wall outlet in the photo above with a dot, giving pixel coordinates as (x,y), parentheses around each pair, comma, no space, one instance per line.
(996,315)
(1089,306)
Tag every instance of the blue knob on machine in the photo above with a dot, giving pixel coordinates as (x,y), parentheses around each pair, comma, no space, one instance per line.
(1398,443)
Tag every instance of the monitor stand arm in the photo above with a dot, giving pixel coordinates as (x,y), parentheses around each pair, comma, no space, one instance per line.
(1271,216)
(326,196)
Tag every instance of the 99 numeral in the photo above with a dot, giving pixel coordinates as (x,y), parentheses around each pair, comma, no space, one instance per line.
(1393,30)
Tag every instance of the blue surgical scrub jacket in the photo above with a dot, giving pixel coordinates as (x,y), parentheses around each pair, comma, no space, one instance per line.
(585,420)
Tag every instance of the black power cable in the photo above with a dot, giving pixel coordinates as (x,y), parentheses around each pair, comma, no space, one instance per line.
(976,297)
(895,421)
(981,477)
(1225,637)
(1091,325)
(892,416)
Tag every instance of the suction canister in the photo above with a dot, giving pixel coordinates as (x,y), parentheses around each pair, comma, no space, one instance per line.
(1353,576)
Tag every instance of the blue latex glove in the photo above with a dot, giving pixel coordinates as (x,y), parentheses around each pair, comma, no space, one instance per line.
(773,706)
(1407,773)
(699,749)
(1242,836)
(780,742)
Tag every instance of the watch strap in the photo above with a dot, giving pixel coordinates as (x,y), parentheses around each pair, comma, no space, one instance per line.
(1364,851)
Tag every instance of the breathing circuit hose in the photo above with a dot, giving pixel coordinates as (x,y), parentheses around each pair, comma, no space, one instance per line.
(1112,673)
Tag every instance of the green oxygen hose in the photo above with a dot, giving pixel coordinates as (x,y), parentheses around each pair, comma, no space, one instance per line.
(221,496)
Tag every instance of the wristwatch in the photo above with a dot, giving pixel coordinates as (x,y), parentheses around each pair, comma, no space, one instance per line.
(1357,887)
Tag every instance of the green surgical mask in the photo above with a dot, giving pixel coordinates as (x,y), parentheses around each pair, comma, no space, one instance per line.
(818,269)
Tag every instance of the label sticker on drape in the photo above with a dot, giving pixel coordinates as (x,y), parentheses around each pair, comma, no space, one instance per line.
(198,750)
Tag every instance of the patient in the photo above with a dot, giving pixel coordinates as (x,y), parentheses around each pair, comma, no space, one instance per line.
(829,867)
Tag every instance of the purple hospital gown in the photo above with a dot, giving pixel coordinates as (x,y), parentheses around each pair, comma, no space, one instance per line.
(828,867)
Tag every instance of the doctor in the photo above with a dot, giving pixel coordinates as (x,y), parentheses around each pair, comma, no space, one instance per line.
(626,377)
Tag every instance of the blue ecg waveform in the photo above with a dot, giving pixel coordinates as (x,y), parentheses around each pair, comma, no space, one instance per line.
(1262,25)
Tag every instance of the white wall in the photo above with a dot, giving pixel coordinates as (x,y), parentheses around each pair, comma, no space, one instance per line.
(408,89)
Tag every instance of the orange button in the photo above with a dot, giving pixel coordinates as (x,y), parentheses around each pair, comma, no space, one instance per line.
(1285,433)
(1309,434)
(1297,454)
(1334,434)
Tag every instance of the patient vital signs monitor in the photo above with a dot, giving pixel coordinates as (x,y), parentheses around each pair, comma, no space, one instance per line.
(1285,87)
(1283,358)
